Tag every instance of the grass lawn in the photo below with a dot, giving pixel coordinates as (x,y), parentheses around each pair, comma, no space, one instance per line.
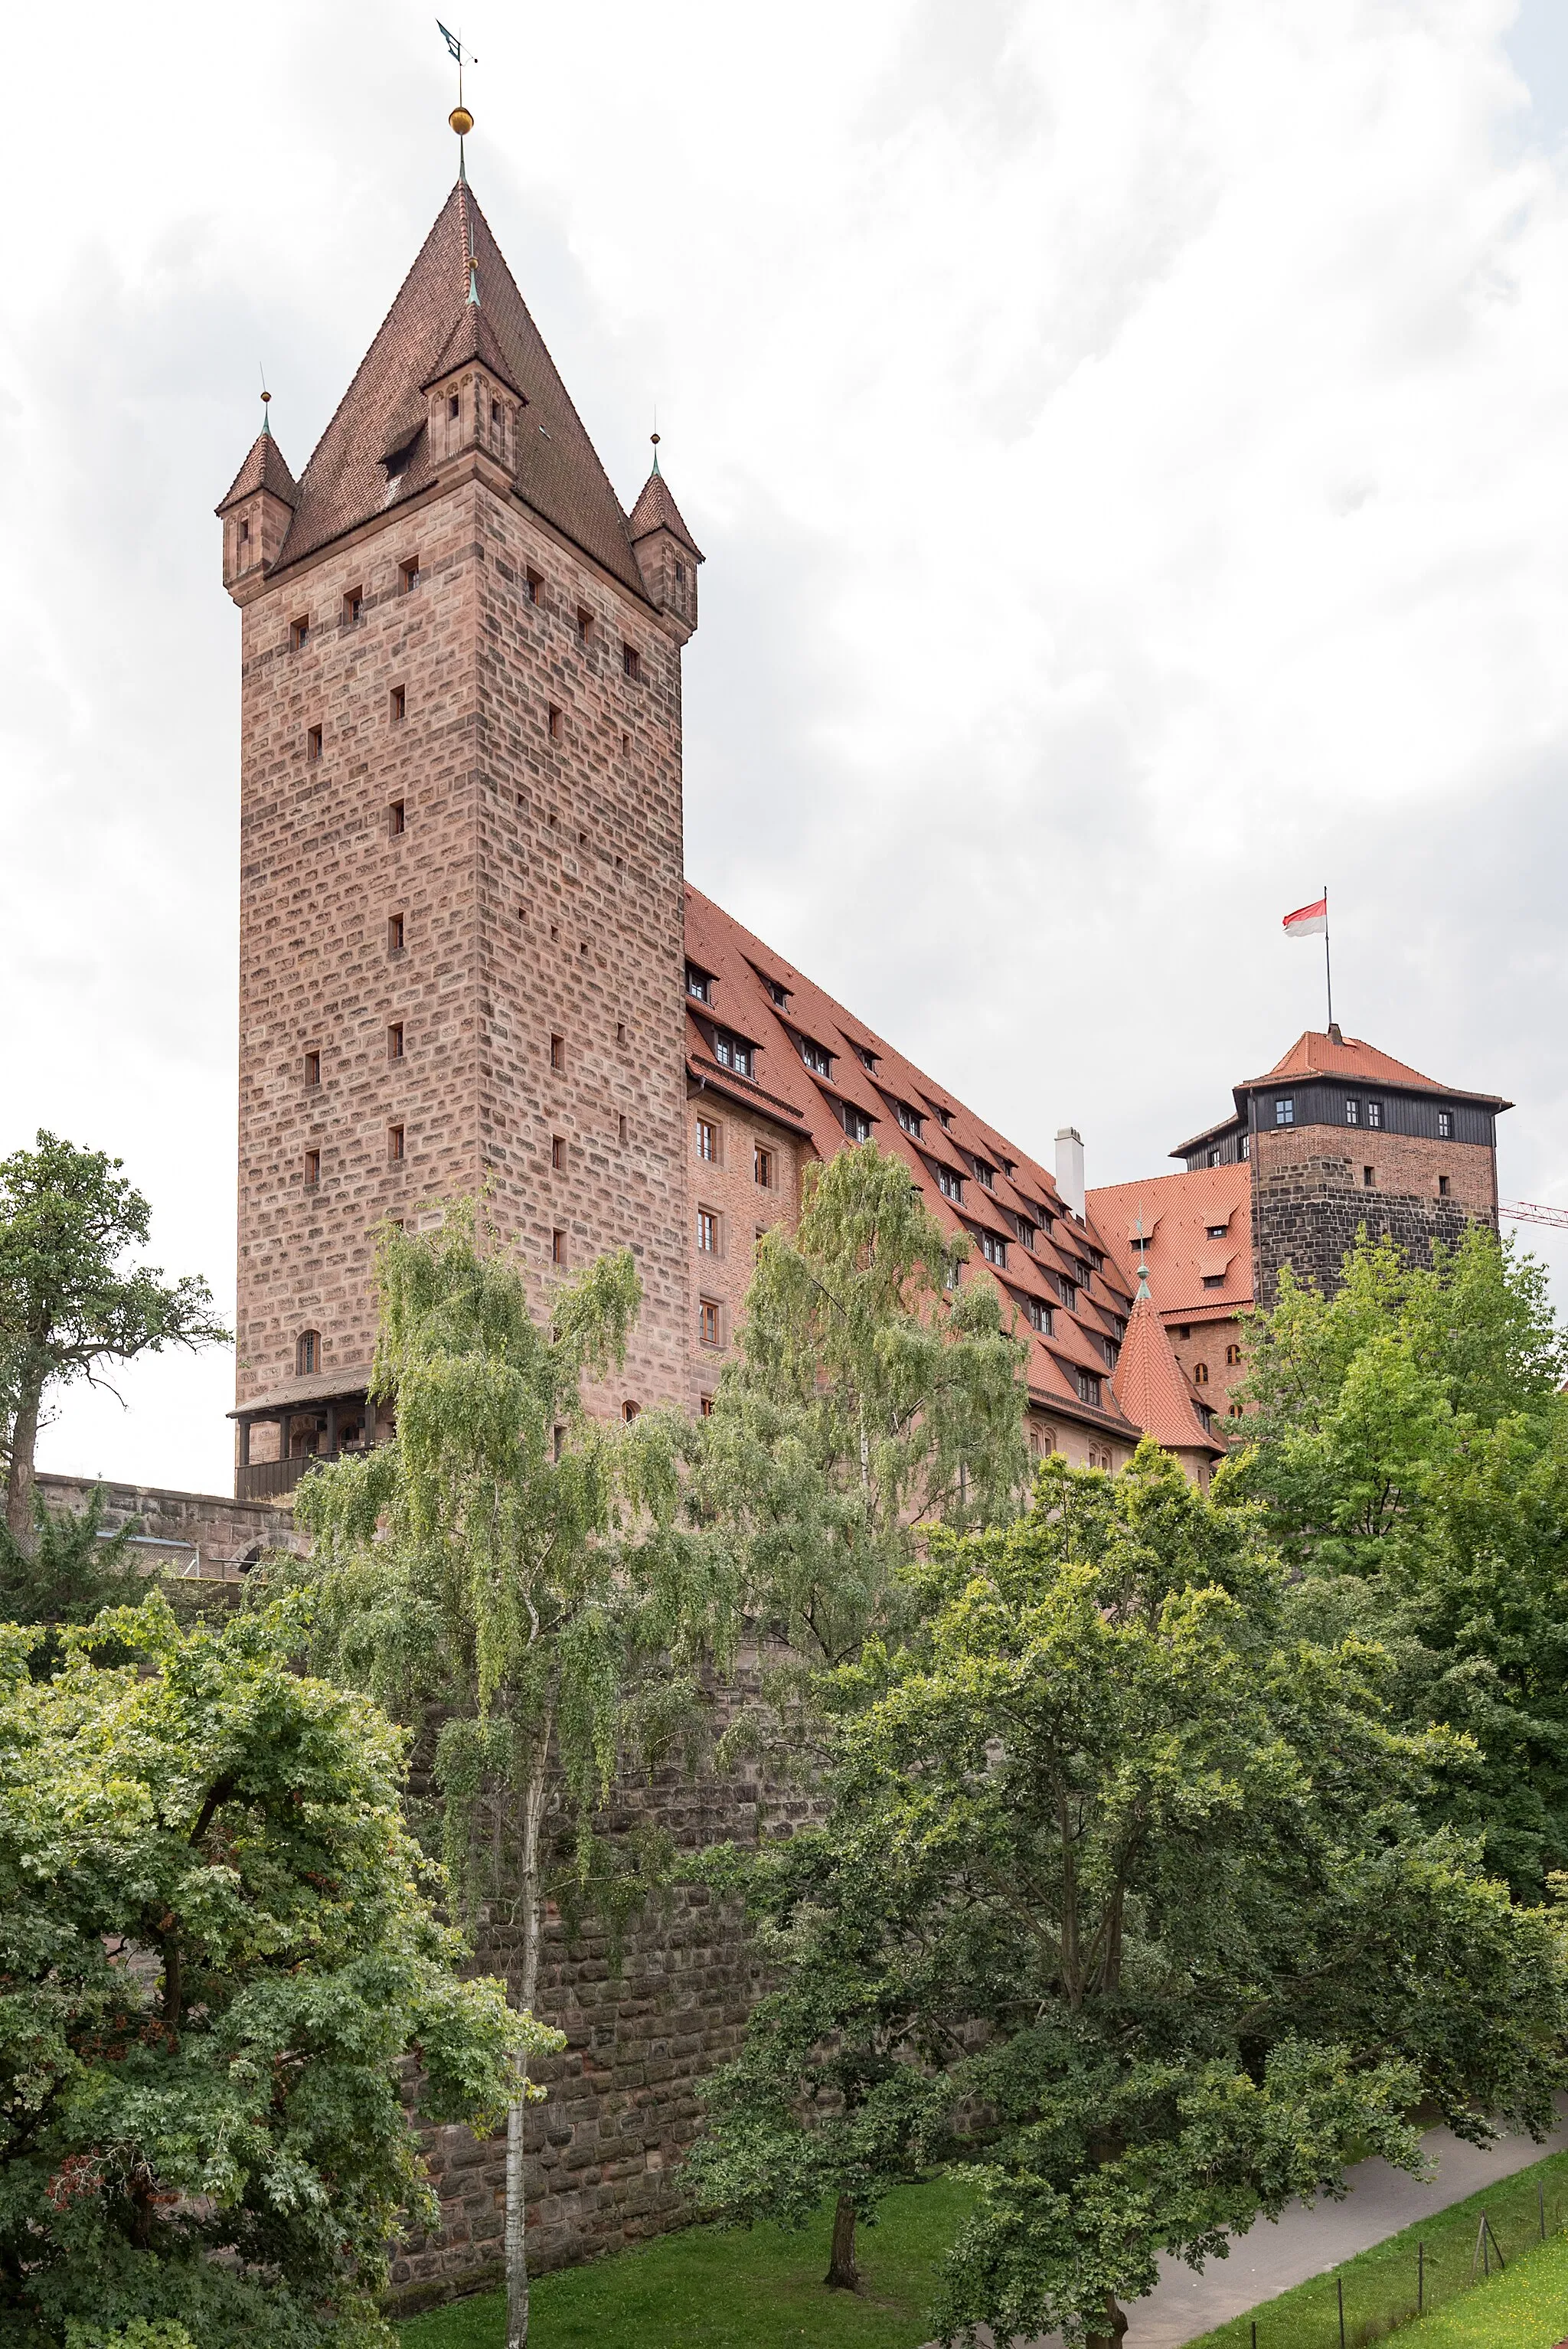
(1380,2283)
(1526,2307)
(751,2288)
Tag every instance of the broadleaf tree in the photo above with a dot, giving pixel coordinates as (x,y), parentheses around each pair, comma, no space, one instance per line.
(1408,1447)
(71,1304)
(219,1945)
(514,1568)
(1116,1863)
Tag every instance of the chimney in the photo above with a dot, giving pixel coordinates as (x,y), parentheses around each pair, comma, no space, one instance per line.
(1069,1168)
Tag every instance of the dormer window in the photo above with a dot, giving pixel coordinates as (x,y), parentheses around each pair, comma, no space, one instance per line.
(950,1184)
(699,983)
(1037,1314)
(733,1052)
(910,1119)
(985,1174)
(867,1059)
(945,1116)
(1026,1233)
(816,1057)
(857,1124)
(1216,1231)
(994,1249)
(779,994)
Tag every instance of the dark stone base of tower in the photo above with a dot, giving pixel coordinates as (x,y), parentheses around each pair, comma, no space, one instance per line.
(1310,1213)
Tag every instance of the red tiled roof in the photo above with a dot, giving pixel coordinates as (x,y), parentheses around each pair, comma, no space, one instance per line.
(1152,1389)
(263,468)
(1315,1054)
(383,411)
(740,966)
(1179,1211)
(656,510)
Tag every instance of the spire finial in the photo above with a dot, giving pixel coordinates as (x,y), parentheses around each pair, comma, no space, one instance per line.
(461,120)
(267,403)
(655,439)
(1142,1259)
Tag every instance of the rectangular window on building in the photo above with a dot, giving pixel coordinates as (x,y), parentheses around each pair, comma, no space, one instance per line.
(299,634)
(708,1231)
(532,584)
(707,1320)
(394,1144)
(1213,1280)
(395,1040)
(817,1059)
(985,1174)
(1039,1315)
(762,1168)
(733,1052)
(312,1068)
(394,819)
(631,661)
(557,723)
(409,575)
(993,1249)
(1089,1387)
(707,1140)
(621,1131)
(394,933)
(857,1124)
(699,983)
(557,1247)
(1026,1233)
(312,744)
(1445,1125)
(312,1169)
(1442,1186)
(1285,1111)
(397,704)
(950,1184)
(454,406)
(1352,1112)
(558,1151)
(1246,1147)
(704,1404)
(910,1119)
(354,607)
(1366,1178)
(584,623)
(558,1052)
(1374,1112)
(1069,1291)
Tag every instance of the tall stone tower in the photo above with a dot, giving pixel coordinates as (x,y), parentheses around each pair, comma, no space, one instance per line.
(461,939)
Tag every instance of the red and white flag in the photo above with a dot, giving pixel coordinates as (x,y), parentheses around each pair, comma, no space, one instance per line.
(1307,921)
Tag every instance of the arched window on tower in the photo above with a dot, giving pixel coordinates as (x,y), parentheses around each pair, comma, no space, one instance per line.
(307,1354)
(1200,1374)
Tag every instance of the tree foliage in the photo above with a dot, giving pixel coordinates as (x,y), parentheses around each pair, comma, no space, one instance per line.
(874,1394)
(70,1303)
(217,1946)
(1409,1451)
(513,1568)
(68,1573)
(1122,1874)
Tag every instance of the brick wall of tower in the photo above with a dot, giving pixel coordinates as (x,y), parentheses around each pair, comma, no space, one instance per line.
(518,850)
(580,858)
(1310,1199)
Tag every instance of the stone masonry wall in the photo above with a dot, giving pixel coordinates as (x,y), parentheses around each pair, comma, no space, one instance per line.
(1310,1197)
(725,1186)
(200,1534)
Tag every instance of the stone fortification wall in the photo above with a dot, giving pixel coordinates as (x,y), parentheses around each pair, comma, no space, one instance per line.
(1311,1197)
(204,1535)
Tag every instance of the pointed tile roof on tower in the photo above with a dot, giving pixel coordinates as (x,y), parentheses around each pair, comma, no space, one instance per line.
(656,510)
(381,417)
(263,468)
(1151,1388)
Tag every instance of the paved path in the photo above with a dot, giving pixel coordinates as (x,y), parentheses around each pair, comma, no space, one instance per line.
(1300,2243)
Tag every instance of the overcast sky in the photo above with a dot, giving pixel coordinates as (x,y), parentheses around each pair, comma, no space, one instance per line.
(1130,447)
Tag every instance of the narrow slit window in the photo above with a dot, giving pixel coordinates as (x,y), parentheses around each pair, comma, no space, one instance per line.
(454,406)
(631,661)
(1366,1178)
(409,575)
(558,1151)
(312,1068)
(307,1354)
(394,933)
(584,623)
(312,1170)
(622,1134)
(396,819)
(557,723)
(397,704)
(558,1247)
(312,745)
(1442,1186)
(394,1145)
(532,584)
(558,1052)
(395,1041)
(299,634)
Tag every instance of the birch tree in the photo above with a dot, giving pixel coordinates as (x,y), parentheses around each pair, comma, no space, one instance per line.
(510,1569)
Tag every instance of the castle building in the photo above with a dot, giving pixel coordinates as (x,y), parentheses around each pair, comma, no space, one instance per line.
(471,965)
(1336,1137)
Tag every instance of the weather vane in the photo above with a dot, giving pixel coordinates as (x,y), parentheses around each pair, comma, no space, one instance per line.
(461,120)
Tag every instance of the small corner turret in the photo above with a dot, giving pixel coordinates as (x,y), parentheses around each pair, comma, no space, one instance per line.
(256,514)
(667,554)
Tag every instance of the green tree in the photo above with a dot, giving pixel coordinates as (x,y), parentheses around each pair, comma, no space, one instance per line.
(513,1568)
(71,1570)
(1114,1861)
(874,1394)
(1409,1450)
(217,1948)
(70,1304)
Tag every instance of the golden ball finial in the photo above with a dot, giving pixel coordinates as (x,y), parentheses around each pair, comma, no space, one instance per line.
(461,120)
(265,398)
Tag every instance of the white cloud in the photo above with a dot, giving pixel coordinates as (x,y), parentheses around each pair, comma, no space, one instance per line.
(1129,446)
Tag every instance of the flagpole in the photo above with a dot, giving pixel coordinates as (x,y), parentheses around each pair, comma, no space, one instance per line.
(1327,967)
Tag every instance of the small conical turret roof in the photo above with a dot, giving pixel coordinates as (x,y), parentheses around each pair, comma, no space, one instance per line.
(1149,1386)
(263,468)
(656,510)
(373,454)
